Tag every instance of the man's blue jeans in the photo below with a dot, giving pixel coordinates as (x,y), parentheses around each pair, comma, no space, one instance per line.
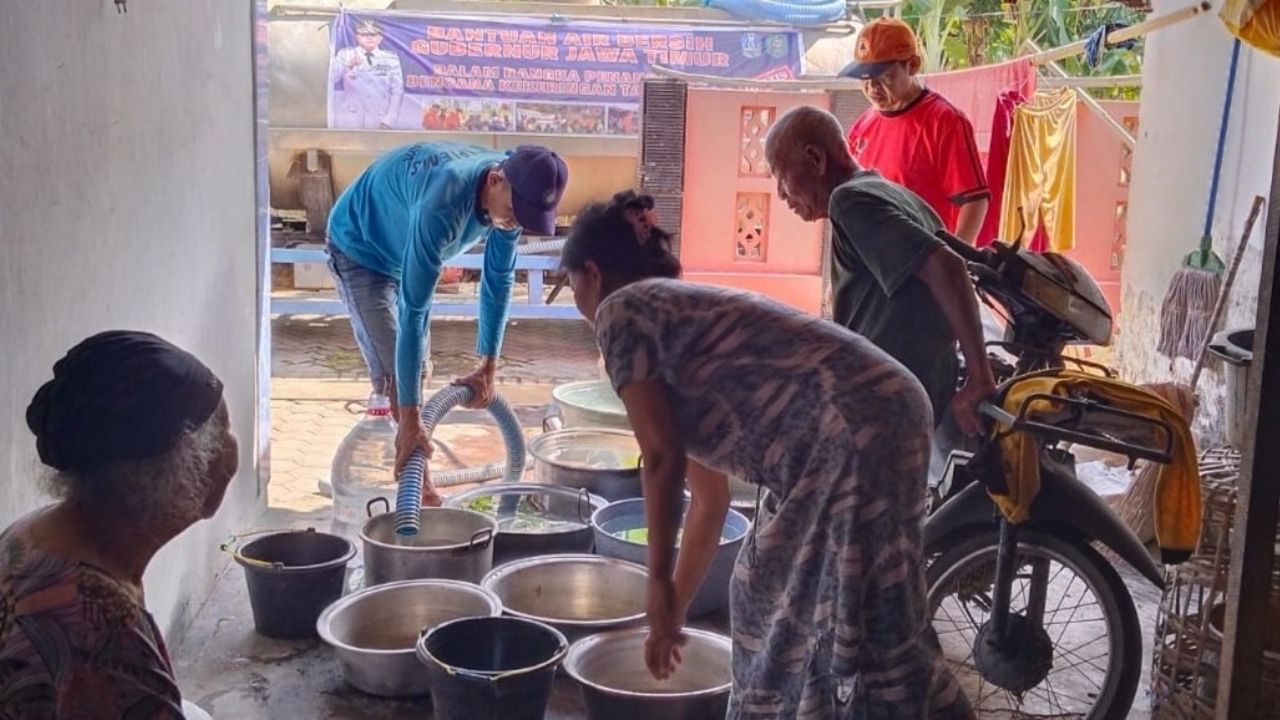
(371,298)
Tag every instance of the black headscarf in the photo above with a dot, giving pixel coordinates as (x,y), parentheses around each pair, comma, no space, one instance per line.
(120,395)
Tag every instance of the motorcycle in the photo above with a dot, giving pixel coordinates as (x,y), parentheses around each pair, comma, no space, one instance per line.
(1031,617)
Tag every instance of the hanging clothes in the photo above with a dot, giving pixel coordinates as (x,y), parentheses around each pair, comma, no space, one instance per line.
(1040,181)
(1256,22)
(973,91)
(997,166)
(1096,43)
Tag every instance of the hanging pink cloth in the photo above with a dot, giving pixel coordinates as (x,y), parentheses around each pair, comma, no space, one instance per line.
(974,91)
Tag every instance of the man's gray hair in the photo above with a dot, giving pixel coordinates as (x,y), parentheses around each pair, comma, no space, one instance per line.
(805,125)
(169,489)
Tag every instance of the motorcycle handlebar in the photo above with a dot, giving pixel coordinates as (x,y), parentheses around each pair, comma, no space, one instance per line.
(966,251)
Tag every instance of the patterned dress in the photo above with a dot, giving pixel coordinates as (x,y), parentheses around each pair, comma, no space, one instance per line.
(76,644)
(828,595)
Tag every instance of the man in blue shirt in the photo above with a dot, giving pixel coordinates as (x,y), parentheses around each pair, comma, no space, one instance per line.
(392,231)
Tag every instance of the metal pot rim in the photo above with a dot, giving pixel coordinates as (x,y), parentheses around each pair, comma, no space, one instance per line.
(581,646)
(343,603)
(466,544)
(535,446)
(595,502)
(558,394)
(595,524)
(426,657)
(496,574)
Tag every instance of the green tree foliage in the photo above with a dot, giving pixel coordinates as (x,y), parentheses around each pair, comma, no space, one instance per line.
(967,33)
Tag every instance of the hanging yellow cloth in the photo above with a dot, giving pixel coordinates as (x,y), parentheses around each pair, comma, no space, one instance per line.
(1256,22)
(1177,500)
(1040,182)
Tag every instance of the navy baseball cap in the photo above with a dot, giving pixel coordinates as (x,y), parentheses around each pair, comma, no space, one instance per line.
(538,178)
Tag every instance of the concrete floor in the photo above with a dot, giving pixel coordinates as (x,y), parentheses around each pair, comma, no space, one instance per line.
(235,674)
(226,668)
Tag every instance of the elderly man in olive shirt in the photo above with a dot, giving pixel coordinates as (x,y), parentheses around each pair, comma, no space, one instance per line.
(893,281)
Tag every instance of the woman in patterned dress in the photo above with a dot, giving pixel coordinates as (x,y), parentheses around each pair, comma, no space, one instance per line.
(137,434)
(827,599)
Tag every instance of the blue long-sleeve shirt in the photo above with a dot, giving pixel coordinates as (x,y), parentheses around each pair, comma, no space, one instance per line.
(409,213)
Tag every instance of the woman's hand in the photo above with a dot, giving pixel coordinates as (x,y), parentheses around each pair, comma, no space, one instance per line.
(666,636)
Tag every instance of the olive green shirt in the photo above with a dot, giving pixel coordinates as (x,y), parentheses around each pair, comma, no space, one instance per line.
(882,234)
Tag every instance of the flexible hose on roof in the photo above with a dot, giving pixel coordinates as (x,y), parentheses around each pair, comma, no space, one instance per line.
(409,494)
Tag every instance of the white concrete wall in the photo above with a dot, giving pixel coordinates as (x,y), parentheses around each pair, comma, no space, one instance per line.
(127,201)
(1184,83)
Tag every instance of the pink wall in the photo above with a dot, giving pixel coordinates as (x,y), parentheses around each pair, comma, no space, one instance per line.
(1102,195)
(735,231)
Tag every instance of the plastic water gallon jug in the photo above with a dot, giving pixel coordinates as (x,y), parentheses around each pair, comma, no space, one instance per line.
(363,468)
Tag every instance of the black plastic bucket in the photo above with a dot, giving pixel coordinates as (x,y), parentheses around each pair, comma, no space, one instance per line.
(1235,348)
(492,668)
(292,578)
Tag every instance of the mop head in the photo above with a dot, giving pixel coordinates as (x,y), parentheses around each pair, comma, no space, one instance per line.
(1187,310)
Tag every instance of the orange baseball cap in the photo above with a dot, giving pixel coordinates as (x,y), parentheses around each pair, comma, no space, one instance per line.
(882,42)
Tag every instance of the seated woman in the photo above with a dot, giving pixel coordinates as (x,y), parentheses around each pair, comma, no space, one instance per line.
(137,433)
(828,597)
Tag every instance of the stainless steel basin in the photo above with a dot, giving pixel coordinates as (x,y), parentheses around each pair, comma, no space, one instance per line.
(533,519)
(374,631)
(591,403)
(616,684)
(602,462)
(576,594)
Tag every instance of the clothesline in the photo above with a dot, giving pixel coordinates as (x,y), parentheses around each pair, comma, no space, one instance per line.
(1103,81)
(1055,69)
(1123,34)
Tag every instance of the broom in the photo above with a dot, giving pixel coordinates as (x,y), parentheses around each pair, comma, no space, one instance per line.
(1188,303)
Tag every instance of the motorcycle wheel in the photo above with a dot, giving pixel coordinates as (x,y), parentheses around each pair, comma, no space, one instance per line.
(1082,661)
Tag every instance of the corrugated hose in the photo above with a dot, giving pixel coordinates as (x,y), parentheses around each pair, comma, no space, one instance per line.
(409,493)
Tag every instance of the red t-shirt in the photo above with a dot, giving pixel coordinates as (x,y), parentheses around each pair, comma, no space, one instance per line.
(928,147)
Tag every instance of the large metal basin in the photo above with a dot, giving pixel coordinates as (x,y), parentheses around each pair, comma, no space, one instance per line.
(533,519)
(602,462)
(628,515)
(590,403)
(616,684)
(373,631)
(576,594)
(451,544)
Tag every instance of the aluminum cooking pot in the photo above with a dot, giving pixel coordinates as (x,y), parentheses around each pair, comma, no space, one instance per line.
(451,544)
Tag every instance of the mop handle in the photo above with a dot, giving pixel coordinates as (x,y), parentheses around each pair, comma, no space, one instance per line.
(1206,242)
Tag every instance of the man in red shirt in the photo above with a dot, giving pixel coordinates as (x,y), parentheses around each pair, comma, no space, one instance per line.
(912,135)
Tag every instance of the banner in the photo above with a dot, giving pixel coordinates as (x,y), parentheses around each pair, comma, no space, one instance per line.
(466,74)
